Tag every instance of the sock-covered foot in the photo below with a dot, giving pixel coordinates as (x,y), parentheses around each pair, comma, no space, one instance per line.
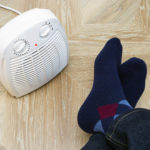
(132,75)
(106,100)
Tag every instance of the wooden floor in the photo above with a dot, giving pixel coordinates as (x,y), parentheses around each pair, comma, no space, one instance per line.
(46,118)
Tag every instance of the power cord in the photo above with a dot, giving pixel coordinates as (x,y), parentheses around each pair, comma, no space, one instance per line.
(11,9)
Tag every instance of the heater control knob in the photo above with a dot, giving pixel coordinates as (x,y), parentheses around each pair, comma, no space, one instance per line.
(21,47)
(45,30)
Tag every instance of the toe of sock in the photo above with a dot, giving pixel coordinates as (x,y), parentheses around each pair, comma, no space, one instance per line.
(138,66)
(114,48)
(141,66)
(115,41)
(112,52)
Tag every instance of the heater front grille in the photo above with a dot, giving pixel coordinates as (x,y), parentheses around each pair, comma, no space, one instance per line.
(34,69)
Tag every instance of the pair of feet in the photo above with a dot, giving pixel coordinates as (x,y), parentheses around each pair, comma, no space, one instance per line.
(116,88)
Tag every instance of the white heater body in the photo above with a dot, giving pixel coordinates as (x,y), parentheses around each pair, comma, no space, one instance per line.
(33,50)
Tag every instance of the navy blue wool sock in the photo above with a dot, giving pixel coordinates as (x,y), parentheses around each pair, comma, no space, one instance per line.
(106,100)
(133,75)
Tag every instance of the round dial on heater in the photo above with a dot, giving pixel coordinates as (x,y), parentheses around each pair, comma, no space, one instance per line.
(21,47)
(45,30)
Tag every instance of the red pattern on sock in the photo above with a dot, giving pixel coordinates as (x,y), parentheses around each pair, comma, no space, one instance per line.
(107,111)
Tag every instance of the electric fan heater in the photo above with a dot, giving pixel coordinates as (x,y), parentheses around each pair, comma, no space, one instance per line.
(33,50)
